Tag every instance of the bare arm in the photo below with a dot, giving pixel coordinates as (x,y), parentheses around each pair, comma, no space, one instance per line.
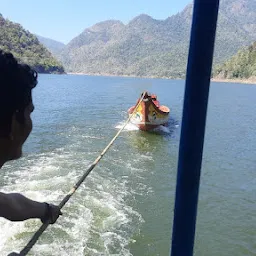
(16,207)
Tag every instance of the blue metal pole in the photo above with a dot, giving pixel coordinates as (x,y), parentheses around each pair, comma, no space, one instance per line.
(199,67)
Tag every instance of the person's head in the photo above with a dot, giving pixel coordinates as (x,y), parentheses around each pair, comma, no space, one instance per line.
(16,82)
(153,97)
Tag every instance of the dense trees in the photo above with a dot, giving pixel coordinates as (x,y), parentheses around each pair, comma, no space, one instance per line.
(242,65)
(144,47)
(26,47)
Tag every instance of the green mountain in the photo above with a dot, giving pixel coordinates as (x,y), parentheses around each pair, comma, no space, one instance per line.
(52,45)
(26,47)
(242,65)
(158,48)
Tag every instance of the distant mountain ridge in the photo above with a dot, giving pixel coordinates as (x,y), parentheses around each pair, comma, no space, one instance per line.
(156,48)
(26,47)
(52,45)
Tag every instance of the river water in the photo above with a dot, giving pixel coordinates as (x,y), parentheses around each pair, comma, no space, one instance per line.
(125,206)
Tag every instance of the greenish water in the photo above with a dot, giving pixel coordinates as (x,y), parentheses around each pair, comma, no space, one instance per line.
(125,207)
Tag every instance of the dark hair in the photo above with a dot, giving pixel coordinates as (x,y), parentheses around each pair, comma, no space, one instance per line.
(16,82)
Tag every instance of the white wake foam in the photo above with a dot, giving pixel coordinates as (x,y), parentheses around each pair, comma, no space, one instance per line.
(128,127)
(97,221)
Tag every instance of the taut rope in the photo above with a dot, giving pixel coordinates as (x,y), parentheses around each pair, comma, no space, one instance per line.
(43,227)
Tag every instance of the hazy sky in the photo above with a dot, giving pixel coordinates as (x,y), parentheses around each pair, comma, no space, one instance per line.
(62,20)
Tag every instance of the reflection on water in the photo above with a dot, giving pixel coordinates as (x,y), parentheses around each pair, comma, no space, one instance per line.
(149,141)
(125,206)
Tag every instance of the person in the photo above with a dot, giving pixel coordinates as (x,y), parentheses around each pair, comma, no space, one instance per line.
(155,101)
(16,84)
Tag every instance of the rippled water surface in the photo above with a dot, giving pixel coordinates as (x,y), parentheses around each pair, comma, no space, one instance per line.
(125,206)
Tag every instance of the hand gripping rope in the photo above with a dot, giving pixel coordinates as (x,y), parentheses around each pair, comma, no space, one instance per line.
(44,226)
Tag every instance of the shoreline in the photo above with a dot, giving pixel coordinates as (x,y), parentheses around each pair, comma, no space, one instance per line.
(217,80)
(240,81)
(110,75)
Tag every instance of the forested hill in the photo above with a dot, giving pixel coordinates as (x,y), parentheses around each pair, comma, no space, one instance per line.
(156,48)
(242,65)
(52,45)
(26,47)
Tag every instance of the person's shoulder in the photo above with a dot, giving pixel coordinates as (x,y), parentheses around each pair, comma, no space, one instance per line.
(3,195)
(3,198)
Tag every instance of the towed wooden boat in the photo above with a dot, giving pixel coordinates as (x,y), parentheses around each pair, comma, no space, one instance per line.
(148,114)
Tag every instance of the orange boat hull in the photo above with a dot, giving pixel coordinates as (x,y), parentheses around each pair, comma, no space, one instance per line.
(149,114)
